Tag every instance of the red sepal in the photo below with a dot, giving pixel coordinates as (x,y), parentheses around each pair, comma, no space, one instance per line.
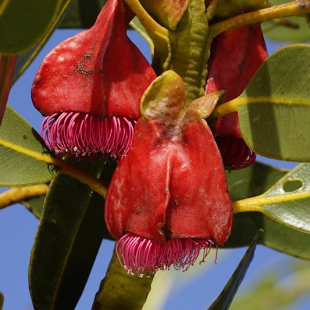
(98,71)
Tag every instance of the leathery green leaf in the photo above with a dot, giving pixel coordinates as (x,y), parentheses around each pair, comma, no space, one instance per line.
(276,236)
(68,238)
(21,25)
(282,203)
(253,181)
(25,59)
(120,290)
(35,205)
(17,140)
(82,14)
(275,119)
(274,109)
(228,293)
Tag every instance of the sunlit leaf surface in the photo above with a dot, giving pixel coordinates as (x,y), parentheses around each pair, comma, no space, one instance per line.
(17,139)
(287,202)
(275,117)
(253,181)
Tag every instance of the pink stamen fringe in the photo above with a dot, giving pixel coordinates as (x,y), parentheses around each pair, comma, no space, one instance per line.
(235,153)
(144,256)
(80,135)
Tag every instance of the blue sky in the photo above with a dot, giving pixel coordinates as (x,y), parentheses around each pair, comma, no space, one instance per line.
(18,227)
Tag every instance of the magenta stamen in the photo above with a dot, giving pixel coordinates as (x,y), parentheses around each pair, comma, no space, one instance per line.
(235,153)
(144,256)
(80,135)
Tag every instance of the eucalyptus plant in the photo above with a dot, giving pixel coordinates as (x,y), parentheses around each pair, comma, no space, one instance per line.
(159,157)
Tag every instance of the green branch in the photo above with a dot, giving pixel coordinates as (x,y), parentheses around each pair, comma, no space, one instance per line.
(297,8)
(17,195)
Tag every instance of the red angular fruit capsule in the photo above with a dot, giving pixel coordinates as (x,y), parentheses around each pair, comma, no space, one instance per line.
(235,57)
(168,197)
(90,87)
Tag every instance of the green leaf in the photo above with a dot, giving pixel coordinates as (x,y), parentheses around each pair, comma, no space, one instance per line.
(22,153)
(289,207)
(68,239)
(274,111)
(22,26)
(82,14)
(35,205)
(253,181)
(120,290)
(226,9)
(228,293)
(25,59)
(276,236)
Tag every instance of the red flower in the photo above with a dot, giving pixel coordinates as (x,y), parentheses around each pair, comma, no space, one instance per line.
(90,87)
(235,57)
(168,196)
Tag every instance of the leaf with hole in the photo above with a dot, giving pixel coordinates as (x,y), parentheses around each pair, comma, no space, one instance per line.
(287,202)
(253,181)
